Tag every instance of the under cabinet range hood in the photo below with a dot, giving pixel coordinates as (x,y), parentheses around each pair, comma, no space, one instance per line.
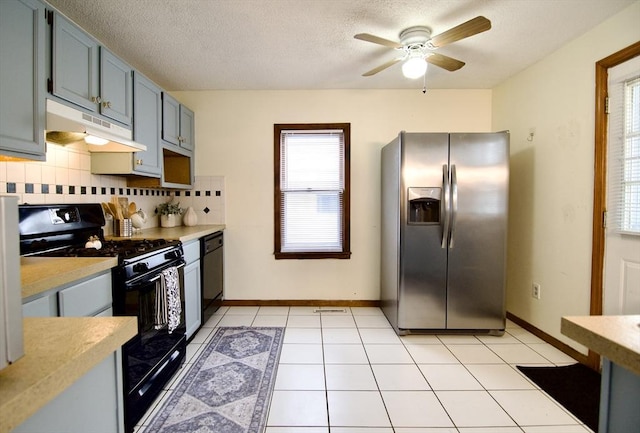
(67,125)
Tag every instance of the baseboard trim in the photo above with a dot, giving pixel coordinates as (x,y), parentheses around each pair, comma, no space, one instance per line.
(580,357)
(298,303)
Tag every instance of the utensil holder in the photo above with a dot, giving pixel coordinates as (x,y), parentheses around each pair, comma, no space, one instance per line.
(122,228)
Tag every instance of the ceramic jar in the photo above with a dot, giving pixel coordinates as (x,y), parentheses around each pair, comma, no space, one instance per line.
(190,218)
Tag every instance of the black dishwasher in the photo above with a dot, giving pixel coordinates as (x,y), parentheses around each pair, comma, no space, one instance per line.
(212,273)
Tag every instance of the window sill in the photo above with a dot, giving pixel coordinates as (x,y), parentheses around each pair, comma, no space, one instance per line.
(311,255)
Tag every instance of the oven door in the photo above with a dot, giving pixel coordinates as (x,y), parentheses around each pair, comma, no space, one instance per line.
(151,357)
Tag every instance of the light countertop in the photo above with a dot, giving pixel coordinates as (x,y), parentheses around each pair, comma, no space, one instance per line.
(614,337)
(58,352)
(181,233)
(39,274)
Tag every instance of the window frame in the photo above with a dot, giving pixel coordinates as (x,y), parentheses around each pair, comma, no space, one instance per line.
(620,213)
(277,196)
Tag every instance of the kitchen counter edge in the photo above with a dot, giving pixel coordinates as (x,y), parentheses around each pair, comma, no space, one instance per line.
(58,352)
(616,338)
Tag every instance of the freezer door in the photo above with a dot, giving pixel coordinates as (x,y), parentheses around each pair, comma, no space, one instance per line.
(423,260)
(477,245)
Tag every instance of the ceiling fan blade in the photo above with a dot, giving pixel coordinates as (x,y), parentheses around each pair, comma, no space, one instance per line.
(381,67)
(445,62)
(472,27)
(377,40)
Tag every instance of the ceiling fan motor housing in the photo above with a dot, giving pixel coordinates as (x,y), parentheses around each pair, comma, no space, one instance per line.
(417,35)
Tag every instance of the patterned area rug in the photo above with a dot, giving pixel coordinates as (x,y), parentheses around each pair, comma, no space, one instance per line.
(229,386)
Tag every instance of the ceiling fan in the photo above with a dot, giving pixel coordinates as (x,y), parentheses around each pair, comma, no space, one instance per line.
(417,46)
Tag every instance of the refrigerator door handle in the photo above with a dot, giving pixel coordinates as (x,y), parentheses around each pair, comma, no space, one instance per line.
(454,204)
(444,209)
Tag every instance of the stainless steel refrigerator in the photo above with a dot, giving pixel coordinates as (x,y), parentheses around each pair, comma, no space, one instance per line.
(444,231)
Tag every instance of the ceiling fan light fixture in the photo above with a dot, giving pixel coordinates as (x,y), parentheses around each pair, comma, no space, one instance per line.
(414,67)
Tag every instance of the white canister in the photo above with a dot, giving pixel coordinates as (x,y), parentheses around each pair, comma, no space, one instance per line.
(168,220)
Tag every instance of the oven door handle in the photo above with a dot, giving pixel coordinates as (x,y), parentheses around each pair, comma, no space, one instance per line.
(156,278)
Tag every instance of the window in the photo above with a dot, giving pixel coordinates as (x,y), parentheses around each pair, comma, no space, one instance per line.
(624,156)
(311,197)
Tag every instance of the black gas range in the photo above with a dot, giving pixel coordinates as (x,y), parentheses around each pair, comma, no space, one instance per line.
(156,352)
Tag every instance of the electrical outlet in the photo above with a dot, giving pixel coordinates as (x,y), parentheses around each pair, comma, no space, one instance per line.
(535,290)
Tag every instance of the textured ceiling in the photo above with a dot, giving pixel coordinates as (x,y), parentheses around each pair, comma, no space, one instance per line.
(309,44)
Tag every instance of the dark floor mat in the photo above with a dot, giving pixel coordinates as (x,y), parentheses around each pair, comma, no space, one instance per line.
(576,387)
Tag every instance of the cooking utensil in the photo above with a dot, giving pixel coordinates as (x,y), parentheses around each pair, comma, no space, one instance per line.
(115,211)
(132,208)
(106,209)
(123,204)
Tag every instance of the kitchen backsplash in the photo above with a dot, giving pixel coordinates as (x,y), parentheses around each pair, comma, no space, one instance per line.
(66,177)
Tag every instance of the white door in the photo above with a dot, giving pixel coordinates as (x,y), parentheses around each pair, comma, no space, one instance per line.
(621,293)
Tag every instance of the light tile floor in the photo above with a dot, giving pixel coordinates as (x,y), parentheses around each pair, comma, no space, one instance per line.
(348,372)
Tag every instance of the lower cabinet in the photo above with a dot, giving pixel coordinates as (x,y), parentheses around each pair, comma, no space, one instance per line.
(44,306)
(192,292)
(92,404)
(89,297)
(95,403)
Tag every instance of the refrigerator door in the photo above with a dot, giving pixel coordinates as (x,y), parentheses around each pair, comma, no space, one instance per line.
(477,242)
(423,260)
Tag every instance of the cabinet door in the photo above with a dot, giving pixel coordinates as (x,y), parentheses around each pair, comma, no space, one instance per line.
(192,301)
(147,117)
(170,119)
(45,306)
(187,128)
(22,78)
(94,403)
(75,64)
(116,88)
(87,298)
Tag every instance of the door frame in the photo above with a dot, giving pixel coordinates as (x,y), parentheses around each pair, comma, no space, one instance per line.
(600,180)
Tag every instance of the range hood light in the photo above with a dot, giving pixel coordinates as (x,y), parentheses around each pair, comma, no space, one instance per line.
(92,139)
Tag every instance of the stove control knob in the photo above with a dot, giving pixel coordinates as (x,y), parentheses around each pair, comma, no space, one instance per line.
(140,267)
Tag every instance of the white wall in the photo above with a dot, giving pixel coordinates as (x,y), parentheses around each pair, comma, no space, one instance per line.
(234,139)
(552,175)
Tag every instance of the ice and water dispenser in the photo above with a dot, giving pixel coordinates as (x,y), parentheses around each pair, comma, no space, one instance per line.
(424,205)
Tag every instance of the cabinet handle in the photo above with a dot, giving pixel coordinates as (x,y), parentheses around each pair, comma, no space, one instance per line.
(106,104)
(96,99)
(138,161)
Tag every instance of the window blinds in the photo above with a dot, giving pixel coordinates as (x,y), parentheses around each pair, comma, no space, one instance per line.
(312,190)
(624,155)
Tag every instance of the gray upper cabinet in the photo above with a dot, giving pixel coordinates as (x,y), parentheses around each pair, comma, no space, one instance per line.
(75,64)
(116,88)
(186,128)
(177,123)
(147,118)
(89,75)
(22,79)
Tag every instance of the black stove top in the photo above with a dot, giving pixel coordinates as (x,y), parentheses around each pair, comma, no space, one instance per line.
(125,249)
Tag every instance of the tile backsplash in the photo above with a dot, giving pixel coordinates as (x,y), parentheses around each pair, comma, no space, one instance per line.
(66,177)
